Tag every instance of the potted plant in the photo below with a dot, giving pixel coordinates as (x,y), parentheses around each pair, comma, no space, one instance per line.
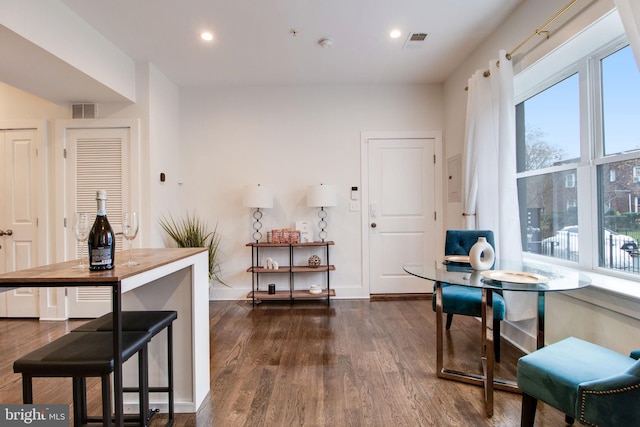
(192,232)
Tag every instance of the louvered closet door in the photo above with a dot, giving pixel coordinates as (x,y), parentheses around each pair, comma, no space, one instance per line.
(96,159)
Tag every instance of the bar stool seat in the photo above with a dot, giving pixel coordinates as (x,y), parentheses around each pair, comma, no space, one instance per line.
(81,355)
(152,322)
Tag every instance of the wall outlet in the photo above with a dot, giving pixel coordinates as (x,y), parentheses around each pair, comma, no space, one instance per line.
(354,205)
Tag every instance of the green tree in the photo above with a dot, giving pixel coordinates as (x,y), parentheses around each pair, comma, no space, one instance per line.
(540,153)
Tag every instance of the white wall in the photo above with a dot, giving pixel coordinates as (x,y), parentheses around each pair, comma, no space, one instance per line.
(162,151)
(592,314)
(288,138)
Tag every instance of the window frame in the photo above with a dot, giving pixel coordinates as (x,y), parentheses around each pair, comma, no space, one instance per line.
(591,153)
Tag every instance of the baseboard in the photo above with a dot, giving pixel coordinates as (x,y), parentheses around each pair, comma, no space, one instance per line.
(518,337)
(398,297)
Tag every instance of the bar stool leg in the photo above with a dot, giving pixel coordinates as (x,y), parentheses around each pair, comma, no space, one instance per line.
(170,371)
(27,389)
(79,401)
(143,386)
(106,400)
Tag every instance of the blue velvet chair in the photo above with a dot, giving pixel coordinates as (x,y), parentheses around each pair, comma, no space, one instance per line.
(595,385)
(465,300)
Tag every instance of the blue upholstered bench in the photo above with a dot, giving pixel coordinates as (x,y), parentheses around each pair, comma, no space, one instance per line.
(587,382)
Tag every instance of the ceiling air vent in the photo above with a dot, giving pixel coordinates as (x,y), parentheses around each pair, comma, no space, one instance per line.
(84,111)
(415,40)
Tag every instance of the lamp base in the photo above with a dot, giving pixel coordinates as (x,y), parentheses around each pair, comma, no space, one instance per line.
(322,224)
(257,225)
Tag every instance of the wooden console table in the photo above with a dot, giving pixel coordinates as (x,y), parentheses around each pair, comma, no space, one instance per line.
(165,279)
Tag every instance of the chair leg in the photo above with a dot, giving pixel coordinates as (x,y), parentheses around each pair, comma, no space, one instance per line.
(449,320)
(569,420)
(496,339)
(528,415)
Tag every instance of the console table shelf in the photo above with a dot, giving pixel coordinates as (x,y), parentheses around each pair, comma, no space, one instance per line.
(291,270)
(286,295)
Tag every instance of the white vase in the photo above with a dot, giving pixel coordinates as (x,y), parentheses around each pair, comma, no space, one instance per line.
(481,255)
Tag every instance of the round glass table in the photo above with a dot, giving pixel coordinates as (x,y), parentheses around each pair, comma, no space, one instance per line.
(517,276)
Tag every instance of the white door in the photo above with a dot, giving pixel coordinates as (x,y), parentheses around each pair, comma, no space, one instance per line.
(96,158)
(401,212)
(18,217)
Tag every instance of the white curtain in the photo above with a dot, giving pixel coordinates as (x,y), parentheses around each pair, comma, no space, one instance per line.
(629,11)
(489,172)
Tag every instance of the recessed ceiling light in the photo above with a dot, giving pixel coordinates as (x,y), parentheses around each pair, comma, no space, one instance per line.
(395,34)
(207,36)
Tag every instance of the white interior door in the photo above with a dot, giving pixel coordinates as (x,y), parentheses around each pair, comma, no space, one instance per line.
(401,212)
(18,217)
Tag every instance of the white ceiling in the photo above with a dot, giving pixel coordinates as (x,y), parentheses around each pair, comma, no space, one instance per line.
(253,45)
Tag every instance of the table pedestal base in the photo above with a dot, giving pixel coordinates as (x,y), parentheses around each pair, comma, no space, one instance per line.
(486,380)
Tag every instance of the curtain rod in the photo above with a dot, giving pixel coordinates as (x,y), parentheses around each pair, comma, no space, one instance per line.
(538,31)
(543,28)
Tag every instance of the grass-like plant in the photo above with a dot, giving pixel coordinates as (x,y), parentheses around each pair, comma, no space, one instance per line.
(192,232)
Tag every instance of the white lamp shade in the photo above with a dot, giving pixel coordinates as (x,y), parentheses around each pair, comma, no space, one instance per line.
(257,196)
(321,196)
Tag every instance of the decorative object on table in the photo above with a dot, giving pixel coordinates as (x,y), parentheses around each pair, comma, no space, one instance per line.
(272,288)
(258,197)
(314,261)
(514,277)
(304,227)
(81,228)
(321,196)
(481,255)
(130,231)
(192,232)
(315,289)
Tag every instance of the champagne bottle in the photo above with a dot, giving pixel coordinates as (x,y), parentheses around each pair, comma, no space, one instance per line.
(102,243)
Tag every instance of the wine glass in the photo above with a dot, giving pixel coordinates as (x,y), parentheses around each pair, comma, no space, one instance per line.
(130,231)
(81,228)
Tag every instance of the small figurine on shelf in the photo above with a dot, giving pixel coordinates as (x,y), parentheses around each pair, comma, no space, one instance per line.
(270,264)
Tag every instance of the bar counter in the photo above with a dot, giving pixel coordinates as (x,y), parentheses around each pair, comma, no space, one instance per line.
(165,279)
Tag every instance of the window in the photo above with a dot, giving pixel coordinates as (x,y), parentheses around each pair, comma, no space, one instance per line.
(548,146)
(579,124)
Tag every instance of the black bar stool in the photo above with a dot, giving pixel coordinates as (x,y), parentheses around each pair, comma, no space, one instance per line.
(146,321)
(82,355)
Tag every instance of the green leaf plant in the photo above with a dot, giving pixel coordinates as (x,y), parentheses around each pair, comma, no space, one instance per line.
(192,232)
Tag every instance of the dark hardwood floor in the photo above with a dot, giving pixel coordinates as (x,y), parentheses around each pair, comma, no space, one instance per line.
(355,363)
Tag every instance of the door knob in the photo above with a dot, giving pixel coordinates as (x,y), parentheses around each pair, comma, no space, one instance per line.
(374,225)
(6,233)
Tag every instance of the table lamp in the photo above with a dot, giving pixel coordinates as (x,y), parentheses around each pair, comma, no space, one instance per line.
(321,196)
(258,197)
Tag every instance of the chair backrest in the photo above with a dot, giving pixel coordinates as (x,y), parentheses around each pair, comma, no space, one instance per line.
(634,369)
(459,242)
